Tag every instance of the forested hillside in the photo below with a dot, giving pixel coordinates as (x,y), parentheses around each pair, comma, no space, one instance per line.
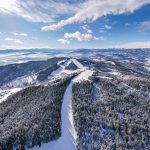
(13,71)
(112,114)
(84,103)
(33,115)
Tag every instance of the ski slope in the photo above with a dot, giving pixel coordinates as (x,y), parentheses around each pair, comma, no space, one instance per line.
(68,136)
(67,141)
(61,70)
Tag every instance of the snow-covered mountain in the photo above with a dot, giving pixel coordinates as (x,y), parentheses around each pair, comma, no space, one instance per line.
(89,102)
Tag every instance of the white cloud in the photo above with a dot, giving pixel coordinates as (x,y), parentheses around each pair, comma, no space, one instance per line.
(79,36)
(18,41)
(104,28)
(143,44)
(144,26)
(91,10)
(99,38)
(107,27)
(14,40)
(9,39)
(80,11)
(63,41)
(127,24)
(0,32)
(37,11)
(96,38)
(89,31)
(87,28)
(20,34)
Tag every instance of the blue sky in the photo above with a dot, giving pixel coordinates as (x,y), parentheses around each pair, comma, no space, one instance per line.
(72,24)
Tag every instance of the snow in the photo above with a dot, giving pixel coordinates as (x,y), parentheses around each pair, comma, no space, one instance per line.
(23,81)
(115,72)
(104,77)
(97,86)
(104,131)
(67,141)
(62,61)
(147,68)
(61,70)
(96,59)
(147,61)
(56,72)
(4,94)
(111,62)
(121,115)
(78,64)
(83,75)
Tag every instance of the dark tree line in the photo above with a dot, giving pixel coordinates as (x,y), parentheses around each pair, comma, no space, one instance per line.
(112,114)
(44,74)
(71,66)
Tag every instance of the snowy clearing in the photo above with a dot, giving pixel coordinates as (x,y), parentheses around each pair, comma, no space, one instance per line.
(61,70)
(83,76)
(4,94)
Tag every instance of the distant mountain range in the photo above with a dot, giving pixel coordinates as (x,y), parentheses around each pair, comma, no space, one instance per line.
(17,56)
